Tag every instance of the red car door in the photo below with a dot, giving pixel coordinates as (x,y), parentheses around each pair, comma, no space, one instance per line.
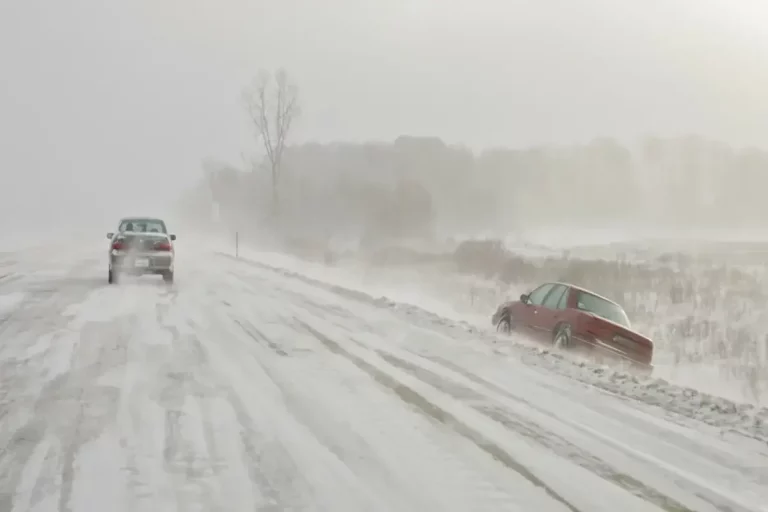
(549,313)
(527,310)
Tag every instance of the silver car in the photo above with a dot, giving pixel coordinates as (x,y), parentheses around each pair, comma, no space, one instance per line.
(141,246)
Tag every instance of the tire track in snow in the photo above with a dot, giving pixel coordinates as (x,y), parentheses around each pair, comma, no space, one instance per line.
(164,380)
(663,485)
(93,406)
(631,415)
(38,406)
(631,419)
(257,335)
(71,410)
(538,434)
(263,428)
(191,394)
(419,468)
(187,458)
(274,471)
(501,405)
(180,426)
(8,277)
(434,411)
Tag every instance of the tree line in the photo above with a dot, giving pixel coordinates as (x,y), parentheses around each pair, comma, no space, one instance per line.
(422,187)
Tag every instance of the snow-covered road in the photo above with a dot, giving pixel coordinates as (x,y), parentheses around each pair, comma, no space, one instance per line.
(244,388)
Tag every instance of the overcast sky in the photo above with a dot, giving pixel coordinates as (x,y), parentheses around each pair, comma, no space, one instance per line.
(114,103)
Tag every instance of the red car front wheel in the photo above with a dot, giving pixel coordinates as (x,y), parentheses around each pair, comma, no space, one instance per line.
(504,325)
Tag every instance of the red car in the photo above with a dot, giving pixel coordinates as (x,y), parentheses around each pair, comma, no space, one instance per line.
(571,317)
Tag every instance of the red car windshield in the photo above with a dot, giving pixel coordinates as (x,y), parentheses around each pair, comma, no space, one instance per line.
(602,308)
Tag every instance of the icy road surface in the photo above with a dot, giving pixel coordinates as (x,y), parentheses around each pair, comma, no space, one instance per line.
(241,388)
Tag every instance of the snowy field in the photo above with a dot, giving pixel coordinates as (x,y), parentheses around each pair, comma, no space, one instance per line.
(260,384)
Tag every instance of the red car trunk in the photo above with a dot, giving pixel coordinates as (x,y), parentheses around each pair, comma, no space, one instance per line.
(617,339)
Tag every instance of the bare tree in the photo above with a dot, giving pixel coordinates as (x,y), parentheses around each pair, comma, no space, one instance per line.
(273,107)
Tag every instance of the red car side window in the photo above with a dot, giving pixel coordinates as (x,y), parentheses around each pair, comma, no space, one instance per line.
(537,296)
(554,296)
